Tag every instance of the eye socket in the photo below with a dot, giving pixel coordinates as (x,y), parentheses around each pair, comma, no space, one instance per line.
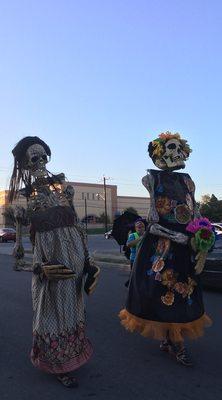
(34,159)
(171,146)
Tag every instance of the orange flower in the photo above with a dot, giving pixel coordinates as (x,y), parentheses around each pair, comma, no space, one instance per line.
(163,205)
(169,135)
(180,288)
(168,299)
(158,265)
(163,245)
(169,278)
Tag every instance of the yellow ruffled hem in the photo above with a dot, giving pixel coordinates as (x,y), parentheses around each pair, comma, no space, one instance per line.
(159,330)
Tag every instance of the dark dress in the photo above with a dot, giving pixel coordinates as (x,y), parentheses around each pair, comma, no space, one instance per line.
(165,296)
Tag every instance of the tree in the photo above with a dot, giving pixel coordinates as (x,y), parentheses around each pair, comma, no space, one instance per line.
(9,216)
(131,210)
(211,208)
(102,218)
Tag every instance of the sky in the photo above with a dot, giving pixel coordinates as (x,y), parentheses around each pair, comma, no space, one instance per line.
(98,80)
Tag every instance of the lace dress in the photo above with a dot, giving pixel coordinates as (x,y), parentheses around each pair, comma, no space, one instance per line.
(59,341)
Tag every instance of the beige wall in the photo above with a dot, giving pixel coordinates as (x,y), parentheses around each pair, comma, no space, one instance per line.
(94,195)
(141,204)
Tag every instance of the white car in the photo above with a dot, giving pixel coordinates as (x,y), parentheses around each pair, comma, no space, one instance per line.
(218,230)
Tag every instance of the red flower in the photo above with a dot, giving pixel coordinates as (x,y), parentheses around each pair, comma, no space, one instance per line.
(205,234)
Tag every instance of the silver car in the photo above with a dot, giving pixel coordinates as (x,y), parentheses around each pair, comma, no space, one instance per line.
(212,273)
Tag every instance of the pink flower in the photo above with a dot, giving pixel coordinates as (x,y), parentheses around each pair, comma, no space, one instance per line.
(199,223)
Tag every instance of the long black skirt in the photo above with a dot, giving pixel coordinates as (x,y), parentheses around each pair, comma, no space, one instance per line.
(165,295)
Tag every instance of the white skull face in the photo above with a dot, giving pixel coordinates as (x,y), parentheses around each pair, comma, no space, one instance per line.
(174,156)
(37,160)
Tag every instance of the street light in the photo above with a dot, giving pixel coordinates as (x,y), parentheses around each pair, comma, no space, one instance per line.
(99,196)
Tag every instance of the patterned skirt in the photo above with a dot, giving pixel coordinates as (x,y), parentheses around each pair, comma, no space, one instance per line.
(59,341)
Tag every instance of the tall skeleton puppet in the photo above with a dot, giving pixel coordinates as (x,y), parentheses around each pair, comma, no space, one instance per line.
(165,300)
(61,263)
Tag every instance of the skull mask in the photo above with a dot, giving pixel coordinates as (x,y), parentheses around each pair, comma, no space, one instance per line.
(36,160)
(174,155)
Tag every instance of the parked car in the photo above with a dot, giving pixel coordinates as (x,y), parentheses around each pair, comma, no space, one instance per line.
(108,234)
(218,230)
(7,234)
(212,273)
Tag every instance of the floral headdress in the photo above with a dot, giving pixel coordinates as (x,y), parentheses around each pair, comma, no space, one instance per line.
(158,145)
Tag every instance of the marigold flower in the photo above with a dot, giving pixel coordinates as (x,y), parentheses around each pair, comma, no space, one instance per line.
(158,265)
(168,299)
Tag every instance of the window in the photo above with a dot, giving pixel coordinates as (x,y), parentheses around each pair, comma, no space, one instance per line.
(83,196)
(93,196)
(87,196)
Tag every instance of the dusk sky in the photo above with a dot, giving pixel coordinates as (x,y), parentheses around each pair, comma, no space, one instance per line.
(97,80)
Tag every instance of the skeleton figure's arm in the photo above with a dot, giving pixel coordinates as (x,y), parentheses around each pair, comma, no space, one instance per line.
(20,215)
(153,218)
(159,230)
(148,182)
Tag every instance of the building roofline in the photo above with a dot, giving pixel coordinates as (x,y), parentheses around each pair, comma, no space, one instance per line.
(91,184)
(133,197)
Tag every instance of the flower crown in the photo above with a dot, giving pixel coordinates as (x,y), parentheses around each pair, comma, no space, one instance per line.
(159,143)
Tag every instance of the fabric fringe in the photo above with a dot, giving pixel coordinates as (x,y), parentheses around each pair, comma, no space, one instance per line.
(160,330)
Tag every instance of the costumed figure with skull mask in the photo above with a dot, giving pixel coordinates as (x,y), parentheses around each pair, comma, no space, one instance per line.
(165,298)
(61,263)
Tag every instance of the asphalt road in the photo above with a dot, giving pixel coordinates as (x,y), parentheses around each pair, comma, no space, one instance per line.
(99,244)
(124,366)
(95,243)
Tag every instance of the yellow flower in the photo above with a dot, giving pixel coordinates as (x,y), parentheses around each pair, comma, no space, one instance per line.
(169,278)
(158,148)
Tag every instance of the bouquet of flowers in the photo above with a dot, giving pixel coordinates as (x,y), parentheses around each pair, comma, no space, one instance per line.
(202,241)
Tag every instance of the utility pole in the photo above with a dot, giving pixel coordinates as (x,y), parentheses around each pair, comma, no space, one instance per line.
(104,184)
(86,216)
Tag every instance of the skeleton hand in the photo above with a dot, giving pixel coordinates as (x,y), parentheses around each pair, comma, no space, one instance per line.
(178,237)
(57,272)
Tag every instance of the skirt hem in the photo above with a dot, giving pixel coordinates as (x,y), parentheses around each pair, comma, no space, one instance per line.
(160,330)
